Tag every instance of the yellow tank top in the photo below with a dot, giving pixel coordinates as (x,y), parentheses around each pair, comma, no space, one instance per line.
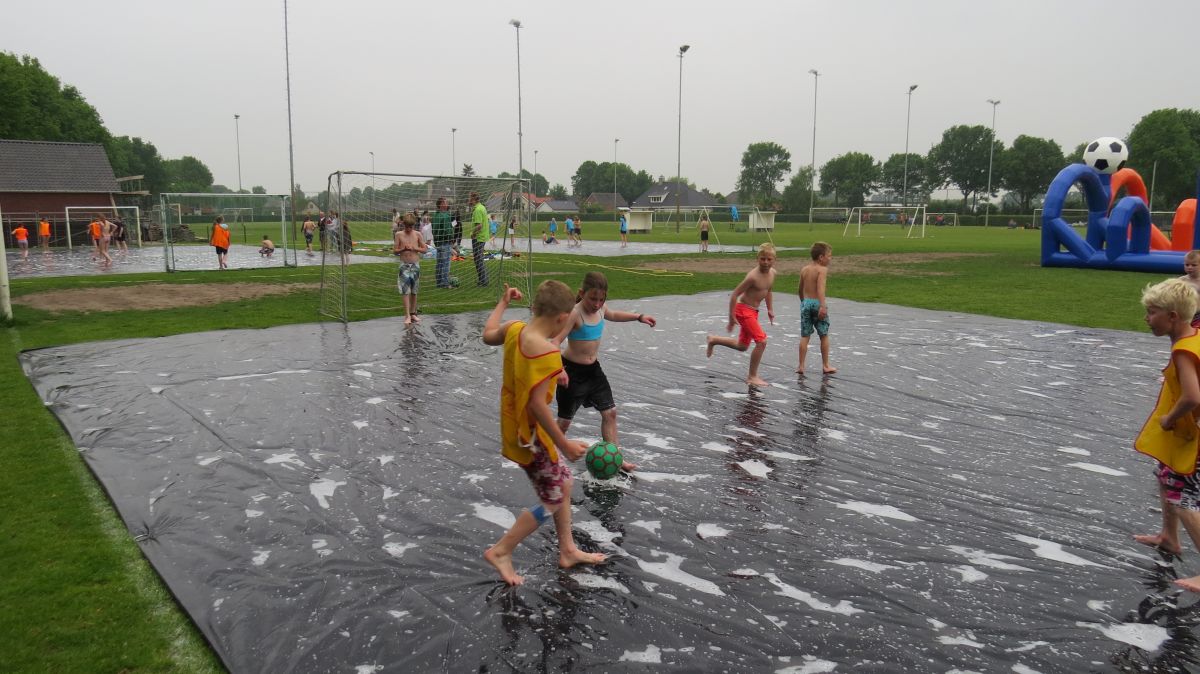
(1176,448)
(523,373)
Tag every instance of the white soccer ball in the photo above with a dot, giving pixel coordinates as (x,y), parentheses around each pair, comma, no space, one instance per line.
(1106,155)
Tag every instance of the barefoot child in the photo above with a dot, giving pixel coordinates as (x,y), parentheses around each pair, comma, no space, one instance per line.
(585,383)
(268,247)
(1191,265)
(528,434)
(814,314)
(409,245)
(743,310)
(1170,434)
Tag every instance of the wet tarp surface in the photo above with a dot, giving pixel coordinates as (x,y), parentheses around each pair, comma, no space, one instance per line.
(79,261)
(960,496)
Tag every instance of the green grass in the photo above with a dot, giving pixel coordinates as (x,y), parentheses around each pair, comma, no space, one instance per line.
(77,595)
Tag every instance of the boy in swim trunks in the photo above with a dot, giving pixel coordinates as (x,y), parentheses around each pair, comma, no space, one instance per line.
(584,382)
(814,314)
(1169,308)
(743,310)
(1191,265)
(409,245)
(528,434)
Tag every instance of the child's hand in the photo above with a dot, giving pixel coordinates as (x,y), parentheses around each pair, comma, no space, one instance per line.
(575,449)
(1165,424)
(822,313)
(771,317)
(648,320)
(729,327)
(563,380)
(511,293)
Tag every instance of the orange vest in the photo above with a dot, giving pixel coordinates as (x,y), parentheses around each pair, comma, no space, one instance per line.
(220,235)
(94,228)
(522,373)
(44,228)
(1176,448)
(21,233)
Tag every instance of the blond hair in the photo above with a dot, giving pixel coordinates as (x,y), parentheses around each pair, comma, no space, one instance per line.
(551,298)
(1175,295)
(767,247)
(819,248)
(1192,256)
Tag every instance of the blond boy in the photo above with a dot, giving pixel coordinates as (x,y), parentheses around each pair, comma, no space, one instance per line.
(1191,267)
(1169,308)
(814,314)
(529,434)
(743,311)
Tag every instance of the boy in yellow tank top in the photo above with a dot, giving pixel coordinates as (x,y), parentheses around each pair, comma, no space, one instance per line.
(1170,434)
(529,435)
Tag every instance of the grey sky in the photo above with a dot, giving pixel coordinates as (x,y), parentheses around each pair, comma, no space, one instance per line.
(393,78)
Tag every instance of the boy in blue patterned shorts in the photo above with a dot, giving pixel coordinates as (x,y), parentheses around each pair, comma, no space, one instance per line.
(814,314)
(409,245)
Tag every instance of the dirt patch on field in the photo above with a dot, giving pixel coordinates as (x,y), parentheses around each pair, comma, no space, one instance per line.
(899,264)
(154,296)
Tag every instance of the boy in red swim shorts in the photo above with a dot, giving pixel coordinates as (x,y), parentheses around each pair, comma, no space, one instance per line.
(743,310)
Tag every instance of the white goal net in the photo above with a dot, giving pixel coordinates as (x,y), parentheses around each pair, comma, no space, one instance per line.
(462,266)
(79,220)
(255,227)
(884,220)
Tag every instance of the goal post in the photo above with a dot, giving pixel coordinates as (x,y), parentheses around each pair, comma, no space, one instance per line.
(188,219)
(943,219)
(360,275)
(80,217)
(879,218)
(828,214)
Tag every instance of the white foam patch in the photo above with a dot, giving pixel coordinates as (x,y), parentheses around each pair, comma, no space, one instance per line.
(1146,637)
(251,514)
(668,477)
(670,570)
(833,434)
(323,489)
(494,514)
(655,441)
(388,493)
(399,614)
(1053,551)
(969,574)
(877,510)
(811,665)
(788,456)
(593,581)
(716,447)
(260,557)
(157,389)
(736,396)
(987,559)
(843,607)
(290,457)
(1023,669)
(698,415)
(265,374)
(755,467)
(652,655)
(1097,605)
(474,478)
(744,572)
(635,405)
(1027,646)
(385,459)
(935,450)
(1097,468)
(360,425)
(707,530)
(873,567)
(367,669)
(208,460)
(652,526)
(373,401)
(363,373)
(397,549)
(748,431)
(959,641)
(597,532)
(1079,451)
(674,391)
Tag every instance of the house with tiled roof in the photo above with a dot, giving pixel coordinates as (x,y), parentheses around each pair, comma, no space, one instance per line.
(609,201)
(43,178)
(662,195)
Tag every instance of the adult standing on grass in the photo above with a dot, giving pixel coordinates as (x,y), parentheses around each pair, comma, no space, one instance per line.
(443,237)
(220,241)
(479,236)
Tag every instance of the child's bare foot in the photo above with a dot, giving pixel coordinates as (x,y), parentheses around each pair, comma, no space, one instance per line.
(756,381)
(1190,584)
(569,558)
(1158,541)
(829,369)
(710,346)
(416,318)
(628,467)
(503,564)
(408,320)
(800,368)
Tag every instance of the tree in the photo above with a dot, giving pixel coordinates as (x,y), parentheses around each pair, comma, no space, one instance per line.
(763,166)
(558,191)
(259,189)
(1027,167)
(581,182)
(135,157)
(539,184)
(892,177)
(797,196)
(188,174)
(38,107)
(961,158)
(468,171)
(852,175)
(1170,137)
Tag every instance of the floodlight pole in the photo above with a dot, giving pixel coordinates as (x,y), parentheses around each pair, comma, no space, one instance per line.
(287,60)
(516,23)
(812,165)
(907,121)
(614,197)
(237,135)
(679,137)
(987,214)
(453,159)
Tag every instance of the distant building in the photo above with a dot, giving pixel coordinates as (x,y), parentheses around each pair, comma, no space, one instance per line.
(609,201)
(558,206)
(43,178)
(662,196)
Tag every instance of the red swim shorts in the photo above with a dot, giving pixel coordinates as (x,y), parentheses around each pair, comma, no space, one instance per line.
(747,317)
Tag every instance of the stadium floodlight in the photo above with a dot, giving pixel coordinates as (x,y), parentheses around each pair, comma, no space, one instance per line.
(812,165)
(679,137)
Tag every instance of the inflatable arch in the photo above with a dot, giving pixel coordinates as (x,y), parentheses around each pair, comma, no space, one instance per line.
(1122,238)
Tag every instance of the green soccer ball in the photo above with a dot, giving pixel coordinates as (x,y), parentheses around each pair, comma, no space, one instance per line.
(603,460)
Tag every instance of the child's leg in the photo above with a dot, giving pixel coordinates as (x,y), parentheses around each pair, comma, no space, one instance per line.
(803,352)
(1191,522)
(500,554)
(755,358)
(608,431)
(826,367)
(1168,537)
(730,342)
(568,554)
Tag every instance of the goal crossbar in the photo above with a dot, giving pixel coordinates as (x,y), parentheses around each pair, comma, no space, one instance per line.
(137,218)
(908,217)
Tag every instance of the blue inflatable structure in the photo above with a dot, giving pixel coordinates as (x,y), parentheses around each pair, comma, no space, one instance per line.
(1117,240)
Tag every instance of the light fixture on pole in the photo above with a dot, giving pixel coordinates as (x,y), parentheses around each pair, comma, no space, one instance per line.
(907,120)
(679,137)
(812,165)
(453,160)
(516,23)
(237,134)
(991,151)
(614,195)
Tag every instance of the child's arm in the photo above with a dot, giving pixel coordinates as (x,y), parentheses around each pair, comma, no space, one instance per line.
(822,274)
(494,330)
(626,316)
(573,322)
(800,286)
(1189,390)
(573,449)
(770,306)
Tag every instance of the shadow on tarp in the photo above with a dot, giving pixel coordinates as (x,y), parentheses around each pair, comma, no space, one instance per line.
(960,496)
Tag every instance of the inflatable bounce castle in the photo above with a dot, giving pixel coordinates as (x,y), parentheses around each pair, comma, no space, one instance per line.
(1119,232)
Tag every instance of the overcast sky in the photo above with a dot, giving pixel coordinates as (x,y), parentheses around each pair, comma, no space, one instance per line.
(393,78)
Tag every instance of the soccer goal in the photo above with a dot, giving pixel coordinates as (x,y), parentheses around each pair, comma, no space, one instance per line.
(946,219)
(79,218)
(187,222)
(828,214)
(880,218)
(360,273)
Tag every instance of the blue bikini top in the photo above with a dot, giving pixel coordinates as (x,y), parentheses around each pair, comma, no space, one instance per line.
(587,333)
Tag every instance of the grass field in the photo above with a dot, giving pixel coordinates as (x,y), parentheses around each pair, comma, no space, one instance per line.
(78,597)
